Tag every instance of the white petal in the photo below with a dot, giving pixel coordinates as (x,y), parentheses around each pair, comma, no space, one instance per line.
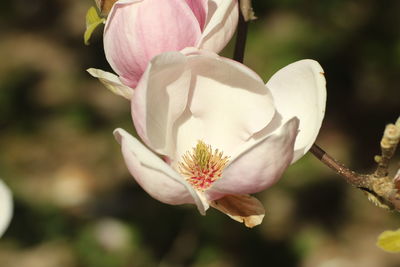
(228,103)
(6,207)
(127,1)
(157,178)
(259,166)
(222,19)
(160,98)
(188,98)
(112,82)
(299,89)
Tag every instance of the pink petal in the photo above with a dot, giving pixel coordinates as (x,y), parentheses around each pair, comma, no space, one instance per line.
(259,166)
(299,90)
(137,31)
(157,178)
(222,19)
(199,8)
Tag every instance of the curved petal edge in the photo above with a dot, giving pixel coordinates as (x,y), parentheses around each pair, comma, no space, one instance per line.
(299,89)
(258,166)
(155,176)
(112,83)
(6,207)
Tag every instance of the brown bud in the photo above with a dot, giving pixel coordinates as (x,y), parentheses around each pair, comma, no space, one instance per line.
(105,6)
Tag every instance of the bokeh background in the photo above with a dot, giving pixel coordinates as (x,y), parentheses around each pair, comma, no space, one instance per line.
(76,204)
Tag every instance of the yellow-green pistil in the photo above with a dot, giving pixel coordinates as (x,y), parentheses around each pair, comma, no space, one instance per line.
(202,166)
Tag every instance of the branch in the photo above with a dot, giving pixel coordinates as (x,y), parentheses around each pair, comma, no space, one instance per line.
(358,180)
(380,188)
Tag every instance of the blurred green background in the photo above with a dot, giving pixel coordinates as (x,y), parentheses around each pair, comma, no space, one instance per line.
(75,202)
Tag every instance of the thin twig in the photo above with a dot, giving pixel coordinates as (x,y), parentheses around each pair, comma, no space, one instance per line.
(358,180)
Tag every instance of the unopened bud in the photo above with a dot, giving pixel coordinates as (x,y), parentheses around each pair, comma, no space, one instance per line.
(105,6)
(377,159)
(391,136)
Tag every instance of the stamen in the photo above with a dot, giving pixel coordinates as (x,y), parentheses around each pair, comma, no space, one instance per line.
(203,166)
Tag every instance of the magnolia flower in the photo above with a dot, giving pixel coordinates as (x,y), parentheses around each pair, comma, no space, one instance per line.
(138,30)
(223,133)
(6,207)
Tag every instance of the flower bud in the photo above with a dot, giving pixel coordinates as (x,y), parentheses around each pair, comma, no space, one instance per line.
(138,30)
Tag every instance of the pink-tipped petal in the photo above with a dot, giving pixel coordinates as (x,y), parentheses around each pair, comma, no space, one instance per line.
(157,178)
(136,32)
(222,19)
(299,89)
(160,99)
(259,166)
(6,207)
(199,9)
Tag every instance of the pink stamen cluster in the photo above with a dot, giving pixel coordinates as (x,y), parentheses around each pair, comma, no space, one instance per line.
(203,166)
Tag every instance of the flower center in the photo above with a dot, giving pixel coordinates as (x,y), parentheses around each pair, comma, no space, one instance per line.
(202,166)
